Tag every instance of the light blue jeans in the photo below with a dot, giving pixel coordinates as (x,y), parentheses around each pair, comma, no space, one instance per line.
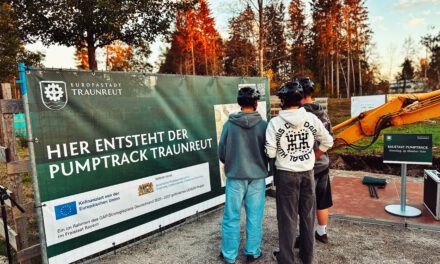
(252,192)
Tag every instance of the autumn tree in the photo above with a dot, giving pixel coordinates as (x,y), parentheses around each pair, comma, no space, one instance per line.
(357,37)
(275,55)
(12,48)
(422,72)
(93,24)
(119,56)
(341,35)
(362,39)
(326,50)
(241,53)
(196,45)
(81,57)
(209,38)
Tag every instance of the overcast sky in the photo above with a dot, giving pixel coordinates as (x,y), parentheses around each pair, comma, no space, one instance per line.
(392,21)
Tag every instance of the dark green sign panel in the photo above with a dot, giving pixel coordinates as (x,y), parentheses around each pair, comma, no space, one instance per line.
(120,154)
(408,148)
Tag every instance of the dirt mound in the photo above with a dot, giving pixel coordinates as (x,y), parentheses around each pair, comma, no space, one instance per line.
(375,164)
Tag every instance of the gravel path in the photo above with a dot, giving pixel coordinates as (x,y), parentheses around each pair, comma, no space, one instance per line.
(199,242)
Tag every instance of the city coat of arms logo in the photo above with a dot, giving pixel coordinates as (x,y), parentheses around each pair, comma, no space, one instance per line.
(53,94)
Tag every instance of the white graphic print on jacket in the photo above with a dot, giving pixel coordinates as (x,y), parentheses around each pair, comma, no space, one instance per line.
(290,137)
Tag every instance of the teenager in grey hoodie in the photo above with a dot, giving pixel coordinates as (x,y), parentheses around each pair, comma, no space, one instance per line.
(241,149)
(321,169)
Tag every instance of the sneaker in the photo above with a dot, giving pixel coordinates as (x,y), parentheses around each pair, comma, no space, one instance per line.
(322,239)
(222,258)
(275,254)
(296,242)
(250,258)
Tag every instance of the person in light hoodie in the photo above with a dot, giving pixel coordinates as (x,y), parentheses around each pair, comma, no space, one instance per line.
(289,139)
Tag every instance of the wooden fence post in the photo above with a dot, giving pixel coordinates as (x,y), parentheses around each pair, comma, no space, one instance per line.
(9,140)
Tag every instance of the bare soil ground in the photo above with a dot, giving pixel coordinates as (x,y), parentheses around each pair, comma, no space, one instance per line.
(350,242)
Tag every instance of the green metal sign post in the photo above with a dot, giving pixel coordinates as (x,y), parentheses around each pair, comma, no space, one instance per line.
(406,149)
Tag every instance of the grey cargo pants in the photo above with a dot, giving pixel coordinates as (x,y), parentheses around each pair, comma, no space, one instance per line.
(295,194)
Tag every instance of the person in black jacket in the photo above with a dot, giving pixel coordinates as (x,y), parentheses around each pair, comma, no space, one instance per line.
(321,168)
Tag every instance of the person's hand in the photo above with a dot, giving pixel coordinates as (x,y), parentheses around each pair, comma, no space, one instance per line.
(318,154)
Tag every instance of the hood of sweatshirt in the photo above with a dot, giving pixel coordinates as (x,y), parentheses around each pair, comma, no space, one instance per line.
(314,108)
(245,120)
(317,110)
(293,116)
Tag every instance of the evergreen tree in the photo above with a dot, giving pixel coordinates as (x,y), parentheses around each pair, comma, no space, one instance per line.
(340,35)
(259,7)
(359,37)
(298,37)
(240,54)
(326,50)
(209,38)
(407,73)
(195,44)
(276,57)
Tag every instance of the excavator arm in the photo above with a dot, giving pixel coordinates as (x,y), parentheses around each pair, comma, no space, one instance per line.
(404,109)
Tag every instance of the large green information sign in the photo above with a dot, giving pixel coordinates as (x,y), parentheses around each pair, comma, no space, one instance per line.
(120,154)
(408,148)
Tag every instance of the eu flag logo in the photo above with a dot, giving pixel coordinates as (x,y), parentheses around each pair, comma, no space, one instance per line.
(65,210)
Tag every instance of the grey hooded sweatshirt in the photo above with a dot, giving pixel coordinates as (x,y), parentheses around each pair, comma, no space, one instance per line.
(241,146)
(323,163)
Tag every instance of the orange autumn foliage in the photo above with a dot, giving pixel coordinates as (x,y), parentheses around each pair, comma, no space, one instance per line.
(119,56)
(195,44)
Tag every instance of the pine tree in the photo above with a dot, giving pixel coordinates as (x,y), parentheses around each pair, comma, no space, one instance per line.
(259,7)
(276,57)
(326,37)
(240,54)
(358,35)
(340,36)
(407,73)
(298,37)
(195,44)
(208,37)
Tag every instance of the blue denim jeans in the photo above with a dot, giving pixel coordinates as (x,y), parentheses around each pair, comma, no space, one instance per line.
(252,192)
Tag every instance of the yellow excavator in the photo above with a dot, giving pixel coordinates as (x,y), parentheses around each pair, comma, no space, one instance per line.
(405,109)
